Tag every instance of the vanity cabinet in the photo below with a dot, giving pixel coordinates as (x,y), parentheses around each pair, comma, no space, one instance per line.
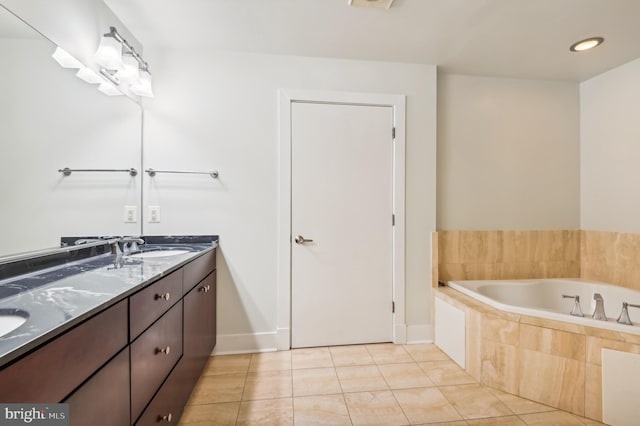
(135,362)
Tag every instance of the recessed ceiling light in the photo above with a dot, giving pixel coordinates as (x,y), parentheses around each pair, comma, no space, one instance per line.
(382,4)
(586,44)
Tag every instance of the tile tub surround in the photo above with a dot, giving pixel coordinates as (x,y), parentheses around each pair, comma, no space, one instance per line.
(480,255)
(546,361)
(611,257)
(58,298)
(414,384)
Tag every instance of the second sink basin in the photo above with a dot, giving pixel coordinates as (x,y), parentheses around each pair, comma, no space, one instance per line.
(10,319)
(158,253)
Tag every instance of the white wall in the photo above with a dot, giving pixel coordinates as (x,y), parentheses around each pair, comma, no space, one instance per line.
(508,153)
(219,110)
(610,150)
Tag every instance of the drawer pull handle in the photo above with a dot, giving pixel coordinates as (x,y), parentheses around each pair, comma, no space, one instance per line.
(165,351)
(205,288)
(165,296)
(166,418)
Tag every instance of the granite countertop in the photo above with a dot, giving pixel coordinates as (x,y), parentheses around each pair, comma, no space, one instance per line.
(57,298)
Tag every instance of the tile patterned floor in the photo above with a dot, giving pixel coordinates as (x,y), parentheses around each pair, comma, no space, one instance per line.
(381,384)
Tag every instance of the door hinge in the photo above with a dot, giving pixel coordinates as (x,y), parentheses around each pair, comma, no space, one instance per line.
(393,132)
(393,220)
(393,307)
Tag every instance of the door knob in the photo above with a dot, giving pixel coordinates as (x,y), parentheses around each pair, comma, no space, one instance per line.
(301,240)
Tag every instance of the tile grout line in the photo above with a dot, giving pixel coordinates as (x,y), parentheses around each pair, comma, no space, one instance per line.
(344,400)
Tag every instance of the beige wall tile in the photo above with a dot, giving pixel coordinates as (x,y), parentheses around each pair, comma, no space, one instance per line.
(473,340)
(553,342)
(500,366)
(555,325)
(434,259)
(593,392)
(552,380)
(500,330)
(595,345)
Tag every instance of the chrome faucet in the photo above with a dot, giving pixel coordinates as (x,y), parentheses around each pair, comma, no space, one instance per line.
(87,241)
(624,315)
(130,244)
(576,311)
(598,312)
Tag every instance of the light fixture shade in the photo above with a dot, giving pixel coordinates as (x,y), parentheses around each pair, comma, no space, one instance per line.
(109,53)
(143,86)
(109,89)
(130,69)
(65,60)
(89,75)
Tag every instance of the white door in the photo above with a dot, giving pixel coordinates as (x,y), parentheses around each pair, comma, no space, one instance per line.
(341,198)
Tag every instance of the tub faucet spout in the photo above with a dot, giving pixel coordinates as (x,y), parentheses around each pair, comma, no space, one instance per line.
(598,312)
(576,311)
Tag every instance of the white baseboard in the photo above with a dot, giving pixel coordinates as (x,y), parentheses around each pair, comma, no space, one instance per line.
(228,344)
(419,333)
(283,339)
(400,334)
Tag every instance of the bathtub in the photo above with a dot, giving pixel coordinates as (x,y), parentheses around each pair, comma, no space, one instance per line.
(543,298)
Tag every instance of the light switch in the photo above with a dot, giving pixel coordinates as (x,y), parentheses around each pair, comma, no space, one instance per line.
(154,214)
(130,214)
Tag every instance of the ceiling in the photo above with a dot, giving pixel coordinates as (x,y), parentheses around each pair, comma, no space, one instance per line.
(511,38)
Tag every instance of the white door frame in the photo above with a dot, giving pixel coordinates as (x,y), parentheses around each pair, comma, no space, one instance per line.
(285,99)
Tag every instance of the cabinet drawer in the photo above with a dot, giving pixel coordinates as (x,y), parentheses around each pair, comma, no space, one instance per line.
(66,361)
(104,399)
(151,362)
(170,400)
(195,271)
(150,303)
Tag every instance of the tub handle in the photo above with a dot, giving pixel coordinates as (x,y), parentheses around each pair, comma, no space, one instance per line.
(576,311)
(624,315)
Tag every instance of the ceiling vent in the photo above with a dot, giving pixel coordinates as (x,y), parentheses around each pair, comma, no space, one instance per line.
(378,4)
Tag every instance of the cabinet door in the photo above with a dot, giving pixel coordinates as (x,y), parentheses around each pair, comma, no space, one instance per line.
(199,326)
(104,399)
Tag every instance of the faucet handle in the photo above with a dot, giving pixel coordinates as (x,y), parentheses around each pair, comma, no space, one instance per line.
(598,297)
(576,311)
(624,314)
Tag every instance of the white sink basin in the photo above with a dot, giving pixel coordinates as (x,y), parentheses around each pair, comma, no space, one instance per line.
(9,322)
(158,253)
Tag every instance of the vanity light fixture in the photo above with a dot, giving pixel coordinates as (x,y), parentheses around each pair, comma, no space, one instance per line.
(109,89)
(586,44)
(122,65)
(65,60)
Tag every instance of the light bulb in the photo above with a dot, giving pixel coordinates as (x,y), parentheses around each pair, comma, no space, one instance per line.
(109,53)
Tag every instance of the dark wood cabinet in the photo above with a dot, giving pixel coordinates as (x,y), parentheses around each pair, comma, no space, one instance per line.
(135,362)
(53,371)
(104,399)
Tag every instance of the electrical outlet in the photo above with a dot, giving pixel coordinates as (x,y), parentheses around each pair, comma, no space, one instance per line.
(154,214)
(130,214)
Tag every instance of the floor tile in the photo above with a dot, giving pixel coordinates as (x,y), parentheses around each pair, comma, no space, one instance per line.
(520,405)
(444,373)
(458,423)
(221,414)
(227,364)
(388,353)
(267,412)
(552,418)
(320,410)
(374,408)
(403,376)
(498,421)
(311,358)
(361,378)
(315,381)
(350,355)
(221,388)
(426,352)
(426,405)
(268,384)
(270,361)
(475,401)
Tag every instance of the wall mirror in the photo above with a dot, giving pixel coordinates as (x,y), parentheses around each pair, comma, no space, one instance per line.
(49,120)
